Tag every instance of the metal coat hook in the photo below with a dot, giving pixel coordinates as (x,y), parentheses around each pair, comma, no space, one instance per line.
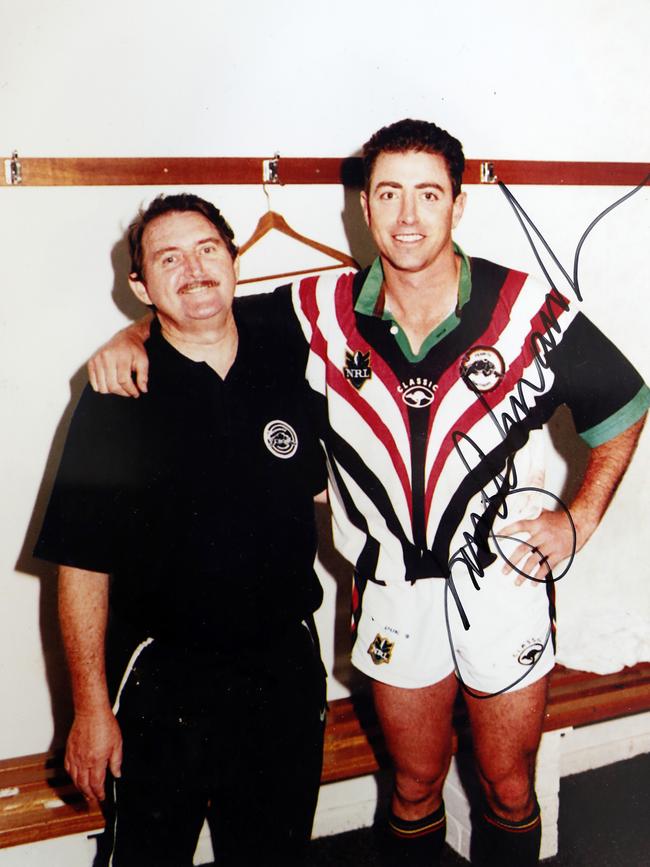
(270,175)
(13,170)
(487,173)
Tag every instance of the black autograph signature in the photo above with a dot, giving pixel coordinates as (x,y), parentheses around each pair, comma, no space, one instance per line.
(476,554)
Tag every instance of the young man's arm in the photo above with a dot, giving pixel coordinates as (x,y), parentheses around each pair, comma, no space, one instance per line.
(110,368)
(95,740)
(550,534)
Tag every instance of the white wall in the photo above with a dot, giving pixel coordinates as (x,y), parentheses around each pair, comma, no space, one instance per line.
(209,77)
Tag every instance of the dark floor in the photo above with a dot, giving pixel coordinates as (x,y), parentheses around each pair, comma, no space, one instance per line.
(604,822)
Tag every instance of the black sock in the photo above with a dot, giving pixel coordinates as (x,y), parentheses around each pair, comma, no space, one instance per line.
(416,843)
(500,843)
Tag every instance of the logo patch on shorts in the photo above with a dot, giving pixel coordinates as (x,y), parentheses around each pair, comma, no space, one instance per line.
(418,392)
(381,650)
(530,653)
(280,439)
(357,369)
(482,368)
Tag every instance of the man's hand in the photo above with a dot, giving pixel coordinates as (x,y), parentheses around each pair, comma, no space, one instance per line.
(110,368)
(551,540)
(94,743)
(552,537)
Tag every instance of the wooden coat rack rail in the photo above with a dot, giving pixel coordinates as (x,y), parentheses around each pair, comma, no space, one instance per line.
(172,171)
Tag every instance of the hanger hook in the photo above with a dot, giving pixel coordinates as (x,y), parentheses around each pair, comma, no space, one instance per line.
(270,175)
(268,197)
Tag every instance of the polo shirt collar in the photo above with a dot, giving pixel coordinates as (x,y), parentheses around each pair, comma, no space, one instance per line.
(372,302)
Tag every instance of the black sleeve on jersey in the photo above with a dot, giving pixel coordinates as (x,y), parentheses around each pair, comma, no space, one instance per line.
(594,377)
(82,526)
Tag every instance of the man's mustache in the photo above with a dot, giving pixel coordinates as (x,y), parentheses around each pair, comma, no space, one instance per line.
(198,284)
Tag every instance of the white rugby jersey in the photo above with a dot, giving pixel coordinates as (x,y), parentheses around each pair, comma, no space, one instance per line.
(426,451)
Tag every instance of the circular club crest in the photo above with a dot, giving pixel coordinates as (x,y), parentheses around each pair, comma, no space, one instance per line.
(482,368)
(280,439)
(418,396)
(531,653)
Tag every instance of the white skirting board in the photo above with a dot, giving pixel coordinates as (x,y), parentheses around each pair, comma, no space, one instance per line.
(76,850)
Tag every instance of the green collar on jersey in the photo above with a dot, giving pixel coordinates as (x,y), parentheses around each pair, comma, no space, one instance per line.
(371,302)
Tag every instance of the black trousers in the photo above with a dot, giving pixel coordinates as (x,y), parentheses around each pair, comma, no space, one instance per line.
(234,738)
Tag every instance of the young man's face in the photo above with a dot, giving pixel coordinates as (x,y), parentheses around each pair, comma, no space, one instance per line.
(410,210)
(189,274)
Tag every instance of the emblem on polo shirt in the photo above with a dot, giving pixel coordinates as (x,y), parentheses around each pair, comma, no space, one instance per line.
(280,439)
(418,392)
(357,368)
(530,653)
(482,368)
(381,650)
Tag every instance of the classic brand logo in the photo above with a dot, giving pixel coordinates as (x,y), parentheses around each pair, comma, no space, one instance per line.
(381,650)
(418,392)
(280,439)
(482,368)
(357,368)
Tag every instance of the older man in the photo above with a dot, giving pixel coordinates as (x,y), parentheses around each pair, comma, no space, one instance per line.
(185,522)
(437,372)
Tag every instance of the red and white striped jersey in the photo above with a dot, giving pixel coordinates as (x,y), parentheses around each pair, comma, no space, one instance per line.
(427,451)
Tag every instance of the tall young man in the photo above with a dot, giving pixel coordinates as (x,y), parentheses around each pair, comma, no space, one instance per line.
(436,372)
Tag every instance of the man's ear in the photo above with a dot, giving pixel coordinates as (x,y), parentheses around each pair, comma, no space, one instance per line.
(139,290)
(363,198)
(458,209)
(235,265)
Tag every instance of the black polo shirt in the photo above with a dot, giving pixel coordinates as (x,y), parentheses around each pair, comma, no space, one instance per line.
(197,497)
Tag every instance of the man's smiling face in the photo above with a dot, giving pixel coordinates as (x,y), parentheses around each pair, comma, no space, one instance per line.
(189,273)
(410,209)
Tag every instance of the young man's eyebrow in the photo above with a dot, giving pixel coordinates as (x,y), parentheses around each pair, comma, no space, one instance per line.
(425,185)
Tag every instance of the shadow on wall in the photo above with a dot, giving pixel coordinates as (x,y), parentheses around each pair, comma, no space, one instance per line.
(359,238)
(45,573)
(124,299)
(53,655)
(341,571)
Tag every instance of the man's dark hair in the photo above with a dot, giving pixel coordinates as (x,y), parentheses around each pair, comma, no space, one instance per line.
(165,205)
(415,135)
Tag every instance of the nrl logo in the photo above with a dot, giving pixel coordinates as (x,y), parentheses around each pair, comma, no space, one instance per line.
(381,650)
(357,368)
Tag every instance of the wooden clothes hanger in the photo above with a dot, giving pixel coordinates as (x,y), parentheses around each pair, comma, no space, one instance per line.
(272,220)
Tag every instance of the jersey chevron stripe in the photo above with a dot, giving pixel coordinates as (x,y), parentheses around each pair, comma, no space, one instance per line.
(499,336)
(358,400)
(510,293)
(364,425)
(340,392)
(347,323)
(460,398)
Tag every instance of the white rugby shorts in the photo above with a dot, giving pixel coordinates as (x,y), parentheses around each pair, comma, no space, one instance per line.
(405,639)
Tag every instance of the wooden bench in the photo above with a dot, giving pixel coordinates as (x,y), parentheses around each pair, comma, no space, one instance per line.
(39,802)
